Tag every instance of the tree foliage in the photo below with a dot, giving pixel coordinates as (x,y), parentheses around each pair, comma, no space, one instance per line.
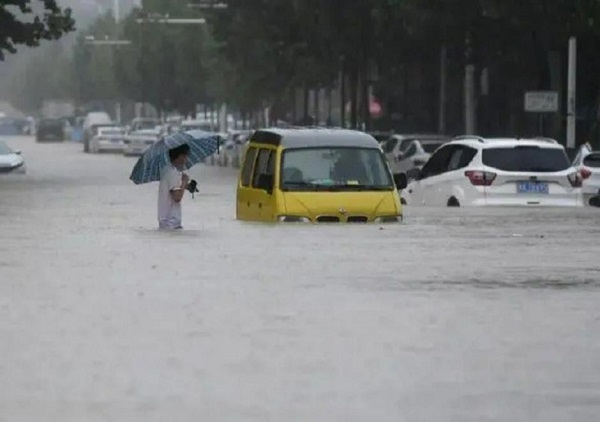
(264,53)
(27,22)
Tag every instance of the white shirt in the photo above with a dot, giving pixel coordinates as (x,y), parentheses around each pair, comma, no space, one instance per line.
(169,211)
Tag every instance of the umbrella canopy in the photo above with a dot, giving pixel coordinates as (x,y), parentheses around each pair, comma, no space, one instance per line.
(202,145)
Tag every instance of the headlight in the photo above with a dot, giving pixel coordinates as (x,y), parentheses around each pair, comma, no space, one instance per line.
(292,219)
(388,219)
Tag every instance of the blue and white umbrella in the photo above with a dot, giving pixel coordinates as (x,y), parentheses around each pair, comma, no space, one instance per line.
(202,145)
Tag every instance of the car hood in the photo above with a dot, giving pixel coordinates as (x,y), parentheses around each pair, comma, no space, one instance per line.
(315,204)
(10,160)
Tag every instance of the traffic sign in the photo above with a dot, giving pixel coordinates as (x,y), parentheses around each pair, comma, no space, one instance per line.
(541,101)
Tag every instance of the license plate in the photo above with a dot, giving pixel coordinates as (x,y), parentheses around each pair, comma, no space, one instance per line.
(115,141)
(533,187)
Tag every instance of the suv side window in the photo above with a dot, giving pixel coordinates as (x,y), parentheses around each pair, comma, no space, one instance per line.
(461,157)
(438,163)
(264,165)
(248,166)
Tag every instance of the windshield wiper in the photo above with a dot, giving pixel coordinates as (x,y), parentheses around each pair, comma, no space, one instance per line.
(378,188)
(308,186)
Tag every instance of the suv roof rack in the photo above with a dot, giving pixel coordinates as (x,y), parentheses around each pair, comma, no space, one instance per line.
(467,137)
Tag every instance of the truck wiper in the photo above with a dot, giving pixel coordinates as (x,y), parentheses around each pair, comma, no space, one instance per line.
(377,188)
(309,186)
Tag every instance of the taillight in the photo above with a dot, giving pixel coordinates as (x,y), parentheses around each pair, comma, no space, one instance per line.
(481,178)
(585,173)
(575,179)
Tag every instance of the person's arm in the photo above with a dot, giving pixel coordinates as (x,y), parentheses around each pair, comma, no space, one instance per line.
(178,189)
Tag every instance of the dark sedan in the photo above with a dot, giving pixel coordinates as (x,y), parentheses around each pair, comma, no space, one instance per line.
(50,130)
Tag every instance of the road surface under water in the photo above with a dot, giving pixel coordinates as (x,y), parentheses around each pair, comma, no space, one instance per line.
(455,315)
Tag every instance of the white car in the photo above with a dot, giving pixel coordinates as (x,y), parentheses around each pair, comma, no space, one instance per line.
(205,125)
(136,143)
(108,138)
(232,148)
(11,161)
(474,171)
(93,120)
(587,162)
(143,123)
(405,152)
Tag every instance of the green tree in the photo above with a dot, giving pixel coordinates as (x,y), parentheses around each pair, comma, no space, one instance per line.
(23,22)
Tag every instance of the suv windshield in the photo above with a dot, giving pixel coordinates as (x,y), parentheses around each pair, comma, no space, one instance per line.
(526,159)
(334,169)
(4,149)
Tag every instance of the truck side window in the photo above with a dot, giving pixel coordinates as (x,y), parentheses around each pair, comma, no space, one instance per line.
(248,166)
(263,165)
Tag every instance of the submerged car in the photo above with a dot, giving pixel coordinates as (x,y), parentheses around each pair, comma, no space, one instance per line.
(406,152)
(317,176)
(233,147)
(108,138)
(474,171)
(11,161)
(50,130)
(136,143)
(143,123)
(587,162)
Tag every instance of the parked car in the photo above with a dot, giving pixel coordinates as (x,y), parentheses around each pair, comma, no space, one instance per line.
(205,125)
(318,176)
(474,171)
(92,121)
(405,152)
(381,137)
(136,143)
(68,128)
(231,150)
(587,162)
(142,123)
(108,138)
(50,130)
(11,161)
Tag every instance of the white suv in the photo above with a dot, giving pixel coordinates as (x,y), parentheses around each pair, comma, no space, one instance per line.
(588,164)
(474,171)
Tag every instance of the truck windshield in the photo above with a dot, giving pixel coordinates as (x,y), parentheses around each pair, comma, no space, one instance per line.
(334,169)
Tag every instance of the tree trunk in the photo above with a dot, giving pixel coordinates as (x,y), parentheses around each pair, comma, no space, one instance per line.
(305,104)
(354,97)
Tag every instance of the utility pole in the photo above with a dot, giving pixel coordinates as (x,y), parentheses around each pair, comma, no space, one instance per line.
(470,112)
(116,11)
(443,89)
(572,95)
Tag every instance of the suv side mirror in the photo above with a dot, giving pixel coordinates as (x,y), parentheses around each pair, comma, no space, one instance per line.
(265,182)
(18,152)
(401,181)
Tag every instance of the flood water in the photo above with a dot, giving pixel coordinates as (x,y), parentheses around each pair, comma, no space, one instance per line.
(455,315)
